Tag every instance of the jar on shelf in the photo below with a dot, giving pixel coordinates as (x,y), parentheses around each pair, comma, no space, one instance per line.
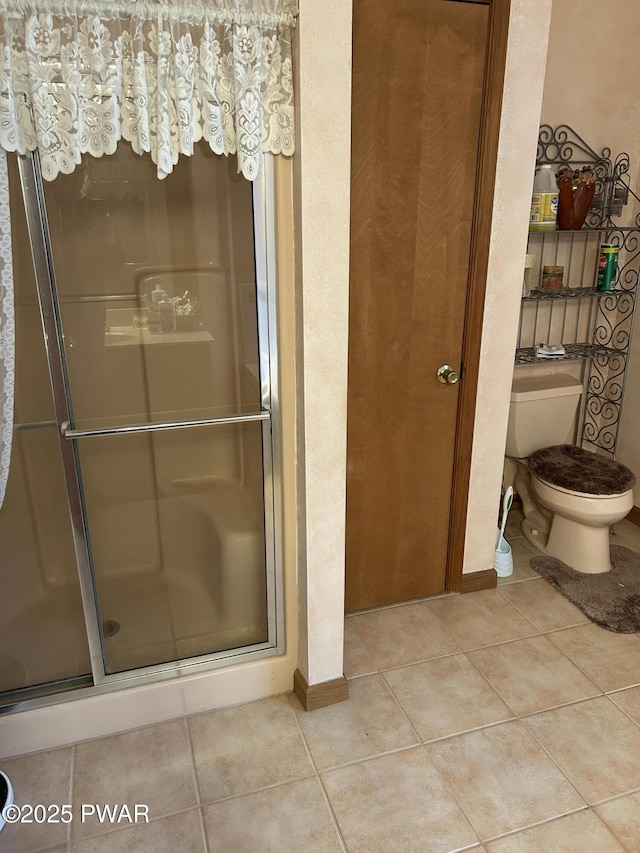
(552,279)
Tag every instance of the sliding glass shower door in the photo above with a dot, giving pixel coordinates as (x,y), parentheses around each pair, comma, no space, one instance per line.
(161,350)
(43,638)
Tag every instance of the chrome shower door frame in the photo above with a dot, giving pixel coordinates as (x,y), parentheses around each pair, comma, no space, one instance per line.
(269,416)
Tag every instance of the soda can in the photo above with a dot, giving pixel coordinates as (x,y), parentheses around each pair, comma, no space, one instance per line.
(607,266)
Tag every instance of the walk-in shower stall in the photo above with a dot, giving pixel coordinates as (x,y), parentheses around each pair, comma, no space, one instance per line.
(139,532)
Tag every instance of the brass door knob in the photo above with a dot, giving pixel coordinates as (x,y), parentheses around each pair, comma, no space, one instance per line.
(447,375)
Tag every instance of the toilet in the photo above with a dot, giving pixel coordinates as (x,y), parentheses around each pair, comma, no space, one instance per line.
(570,496)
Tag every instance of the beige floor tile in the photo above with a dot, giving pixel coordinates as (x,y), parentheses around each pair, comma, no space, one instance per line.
(239,750)
(293,817)
(44,778)
(481,619)
(181,832)
(356,657)
(532,675)
(622,816)
(524,552)
(368,724)
(627,534)
(446,696)
(401,635)
(611,661)
(577,833)
(503,779)
(629,701)
(149,766)
(595,744)
(543,605)
(394,803)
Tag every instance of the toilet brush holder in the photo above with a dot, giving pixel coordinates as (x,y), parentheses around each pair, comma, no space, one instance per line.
(502,557)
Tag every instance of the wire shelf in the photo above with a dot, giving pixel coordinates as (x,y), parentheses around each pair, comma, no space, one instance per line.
(593,326)
(574,352)
(569,293)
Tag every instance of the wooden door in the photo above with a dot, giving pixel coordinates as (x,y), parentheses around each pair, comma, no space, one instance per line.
(418,70)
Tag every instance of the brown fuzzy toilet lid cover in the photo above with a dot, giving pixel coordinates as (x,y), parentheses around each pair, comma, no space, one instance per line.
(571,467)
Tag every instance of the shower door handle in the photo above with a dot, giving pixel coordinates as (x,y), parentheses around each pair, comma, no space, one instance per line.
(72,434)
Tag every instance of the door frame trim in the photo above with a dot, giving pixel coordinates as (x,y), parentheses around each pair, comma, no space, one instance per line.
(496,55)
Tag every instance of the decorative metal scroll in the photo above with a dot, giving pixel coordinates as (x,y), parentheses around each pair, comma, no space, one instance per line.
(562,145)
(613,328)
(607,349)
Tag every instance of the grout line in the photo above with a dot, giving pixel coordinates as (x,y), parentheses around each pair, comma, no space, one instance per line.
(397,604)
(506,582)
(401,709)
(414,662)
(304,740)
(577,665)
(492,686)
(192,755)
(519,612)
(325,795)
(611,829)
(545,822)
(196,785)
(551,758)
(365,758)
(582,701)
(449,790)
(615,797)
(621,689)
(280,784)
(113,830)
(627,715)
(332,814)
(203,829)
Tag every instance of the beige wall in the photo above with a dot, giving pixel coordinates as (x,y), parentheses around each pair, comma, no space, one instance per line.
(528,33)
(321,204)
(591,85)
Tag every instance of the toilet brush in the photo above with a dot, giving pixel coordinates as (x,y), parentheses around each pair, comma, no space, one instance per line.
(506,506)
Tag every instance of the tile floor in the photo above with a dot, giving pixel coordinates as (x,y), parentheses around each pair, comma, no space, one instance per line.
(499,721)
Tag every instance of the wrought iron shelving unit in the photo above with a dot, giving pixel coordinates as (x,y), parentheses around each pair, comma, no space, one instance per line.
(594,327)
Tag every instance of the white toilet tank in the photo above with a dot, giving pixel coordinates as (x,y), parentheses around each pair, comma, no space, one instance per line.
(542,413)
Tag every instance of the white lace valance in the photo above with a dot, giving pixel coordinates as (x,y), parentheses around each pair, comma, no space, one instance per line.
(76,77)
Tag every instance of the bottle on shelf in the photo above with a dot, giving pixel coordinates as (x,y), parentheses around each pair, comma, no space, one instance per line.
(544,200)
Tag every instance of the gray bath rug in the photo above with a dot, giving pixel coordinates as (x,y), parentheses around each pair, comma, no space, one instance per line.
(610,599)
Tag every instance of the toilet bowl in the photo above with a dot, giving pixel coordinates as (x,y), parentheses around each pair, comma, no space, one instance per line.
(570,496)
(579,531)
